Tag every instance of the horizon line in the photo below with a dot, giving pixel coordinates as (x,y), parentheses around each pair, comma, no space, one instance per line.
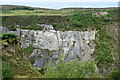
(62,7)
(54,5)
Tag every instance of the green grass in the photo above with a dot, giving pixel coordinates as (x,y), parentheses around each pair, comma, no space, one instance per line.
(32,27)
(6,12)
(36,12)
(6,71)
(28,51)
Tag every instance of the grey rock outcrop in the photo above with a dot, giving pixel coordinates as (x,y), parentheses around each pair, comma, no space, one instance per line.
(46,27)
(3,30)
(74,44)
(51,43)
(99,14)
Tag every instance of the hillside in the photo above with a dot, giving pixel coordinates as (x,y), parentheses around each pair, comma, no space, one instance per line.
(82,8)
(16,10)
(65,43)
(19,7)
(17,62)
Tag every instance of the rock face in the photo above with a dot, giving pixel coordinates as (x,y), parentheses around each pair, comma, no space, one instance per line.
(51,43)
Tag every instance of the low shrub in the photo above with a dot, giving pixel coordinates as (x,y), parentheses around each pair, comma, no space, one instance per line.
(82,20)
(55,24)
(8,36)
(70,69)
(114,75)
(103,54)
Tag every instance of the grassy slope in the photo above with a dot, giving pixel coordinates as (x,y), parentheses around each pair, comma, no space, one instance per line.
(18,63)
(33,20)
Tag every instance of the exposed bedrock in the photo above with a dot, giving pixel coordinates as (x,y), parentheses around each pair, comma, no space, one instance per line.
(51,43)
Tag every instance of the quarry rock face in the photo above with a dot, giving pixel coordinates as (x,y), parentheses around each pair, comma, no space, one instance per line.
(51,43)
